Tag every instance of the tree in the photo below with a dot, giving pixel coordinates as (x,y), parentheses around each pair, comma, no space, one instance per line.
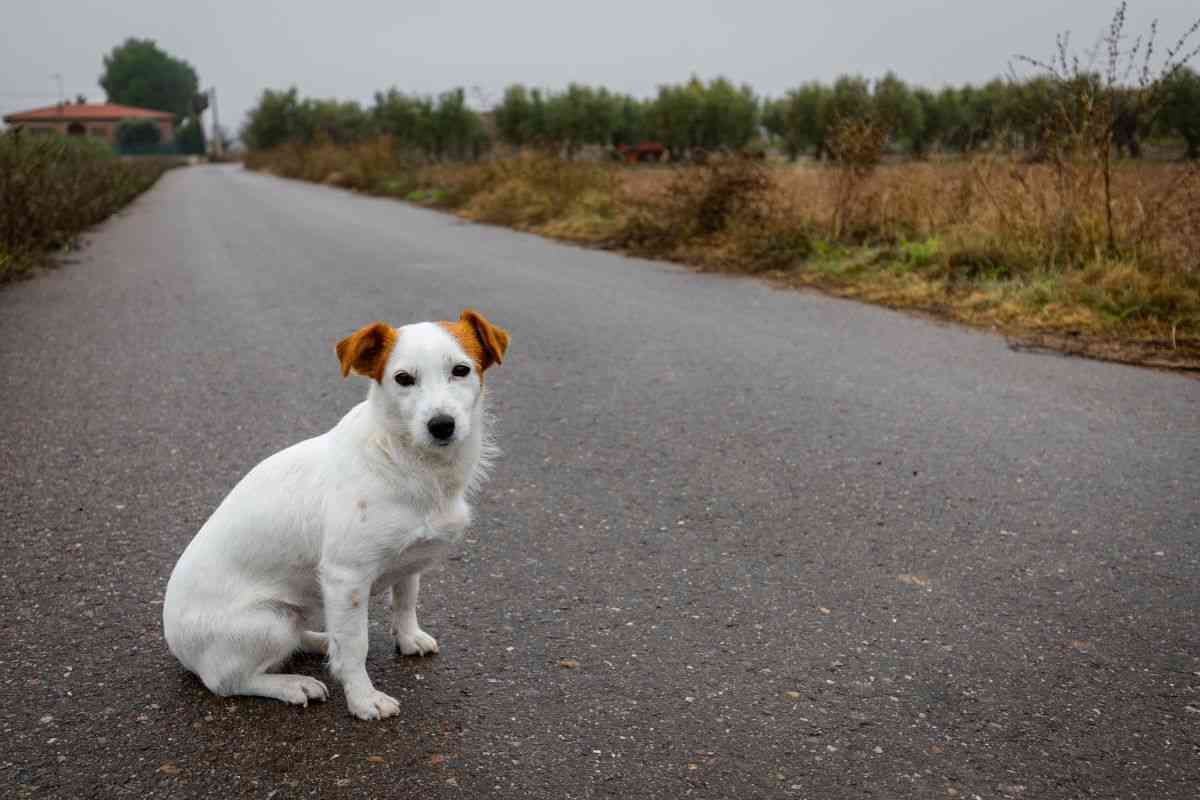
(933,123)
(674,115)
(407,119)
(513,116)
(457,131)
(692,115)
(629,128)
(1181,108)
(850,99)
(273,121)
(189,139)
(898,110)
(138,134)
(567,118)
(800,119)
(138,73)
(729,115)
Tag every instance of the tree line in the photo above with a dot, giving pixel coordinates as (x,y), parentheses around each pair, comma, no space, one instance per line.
(719,115)
(440,128)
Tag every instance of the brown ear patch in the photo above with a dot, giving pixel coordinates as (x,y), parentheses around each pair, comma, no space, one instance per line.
(481,340)
(366,350)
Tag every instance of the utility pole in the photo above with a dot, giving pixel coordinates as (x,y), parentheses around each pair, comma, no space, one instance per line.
(218,145)
(58,77)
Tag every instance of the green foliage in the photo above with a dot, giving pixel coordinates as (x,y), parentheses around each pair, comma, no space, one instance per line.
(52,188)
(1181,108)
(281,116)
(580,115)
(694,118)
(629,127)
(800,119)
(273,121)
(849,99)
(444,128)
(693,115)
(189,138)
(566,121)
(922,253)
(458,132)
(514,116)
(133,134)
(138,73)
(898,110)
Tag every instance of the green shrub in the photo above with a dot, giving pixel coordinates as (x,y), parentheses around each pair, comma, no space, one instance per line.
(138,133)
(189,139)
(52,188)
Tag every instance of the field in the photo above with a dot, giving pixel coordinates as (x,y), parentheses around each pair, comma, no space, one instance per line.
(991,241)
(54,188)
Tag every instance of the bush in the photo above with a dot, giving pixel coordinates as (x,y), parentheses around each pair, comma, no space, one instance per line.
(52,188)
(133,134)
(189,139)
(534,188)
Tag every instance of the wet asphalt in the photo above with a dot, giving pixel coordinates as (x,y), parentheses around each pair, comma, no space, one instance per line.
(786,546)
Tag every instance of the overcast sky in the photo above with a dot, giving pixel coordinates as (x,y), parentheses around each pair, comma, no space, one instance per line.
(350,48)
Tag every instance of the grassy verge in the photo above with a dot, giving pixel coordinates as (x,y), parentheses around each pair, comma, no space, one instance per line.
(54,188)
(991,242)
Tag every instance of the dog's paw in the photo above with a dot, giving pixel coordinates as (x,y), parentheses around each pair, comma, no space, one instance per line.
(372,704)
(414,642)
(297,689)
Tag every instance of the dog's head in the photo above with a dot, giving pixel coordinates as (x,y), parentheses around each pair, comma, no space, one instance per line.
(429,375)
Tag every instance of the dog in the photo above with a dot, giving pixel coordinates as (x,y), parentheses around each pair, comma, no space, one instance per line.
(289,559)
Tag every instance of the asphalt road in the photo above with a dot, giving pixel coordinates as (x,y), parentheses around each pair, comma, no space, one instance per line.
(799,547)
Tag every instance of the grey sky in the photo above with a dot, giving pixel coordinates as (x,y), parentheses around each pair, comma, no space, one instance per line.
(349,49)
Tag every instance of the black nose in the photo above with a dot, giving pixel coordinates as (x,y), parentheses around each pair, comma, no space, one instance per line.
(441,427)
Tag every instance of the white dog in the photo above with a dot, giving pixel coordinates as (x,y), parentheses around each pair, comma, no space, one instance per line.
(290,558)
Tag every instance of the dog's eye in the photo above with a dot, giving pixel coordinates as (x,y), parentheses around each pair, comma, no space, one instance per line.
(460,371)
(404,379)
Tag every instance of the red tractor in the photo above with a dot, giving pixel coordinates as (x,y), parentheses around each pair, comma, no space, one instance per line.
(643,152)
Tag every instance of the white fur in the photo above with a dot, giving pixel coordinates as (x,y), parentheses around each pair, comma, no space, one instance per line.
(290,558)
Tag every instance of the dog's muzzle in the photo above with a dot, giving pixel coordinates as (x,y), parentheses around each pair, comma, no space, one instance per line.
(441,428)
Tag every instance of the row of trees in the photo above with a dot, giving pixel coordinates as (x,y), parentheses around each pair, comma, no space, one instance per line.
(682,117)
(719,115)
(966,118)
(438,128)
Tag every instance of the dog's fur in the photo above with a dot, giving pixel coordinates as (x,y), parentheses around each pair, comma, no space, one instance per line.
(289,559)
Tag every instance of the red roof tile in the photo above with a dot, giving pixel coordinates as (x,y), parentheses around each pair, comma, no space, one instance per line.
(86,112)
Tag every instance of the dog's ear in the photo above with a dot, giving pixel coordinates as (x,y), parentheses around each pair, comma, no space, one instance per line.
(493,341)
(366,351)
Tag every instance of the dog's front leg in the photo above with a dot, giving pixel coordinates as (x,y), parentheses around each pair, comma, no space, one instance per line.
(410,639)
(346,596)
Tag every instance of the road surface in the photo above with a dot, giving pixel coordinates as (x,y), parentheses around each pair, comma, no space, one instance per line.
(797,546)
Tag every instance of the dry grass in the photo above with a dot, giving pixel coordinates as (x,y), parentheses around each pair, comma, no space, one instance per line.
(989,241)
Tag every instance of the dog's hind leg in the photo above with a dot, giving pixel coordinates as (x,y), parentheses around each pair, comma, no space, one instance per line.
(238,659)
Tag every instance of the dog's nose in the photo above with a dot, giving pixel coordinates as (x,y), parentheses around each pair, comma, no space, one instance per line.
(441,427)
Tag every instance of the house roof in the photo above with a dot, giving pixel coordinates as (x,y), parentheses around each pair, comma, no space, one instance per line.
(86,112)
